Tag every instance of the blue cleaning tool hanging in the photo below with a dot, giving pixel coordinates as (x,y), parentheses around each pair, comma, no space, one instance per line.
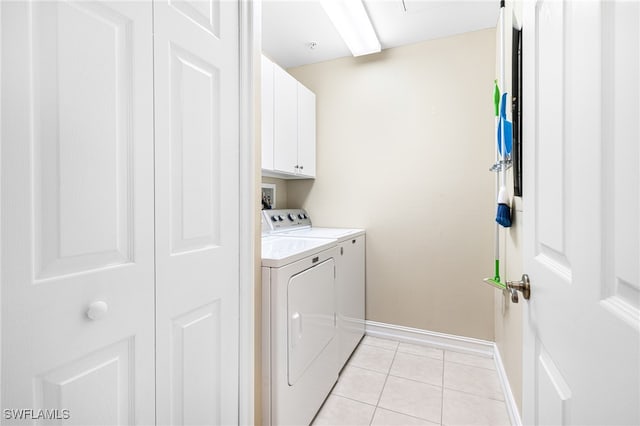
(503,216)
(505,144)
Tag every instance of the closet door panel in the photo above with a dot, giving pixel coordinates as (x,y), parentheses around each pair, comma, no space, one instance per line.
(77,210)
(197,229)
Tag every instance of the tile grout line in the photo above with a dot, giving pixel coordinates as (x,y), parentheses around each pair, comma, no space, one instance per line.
(414,380)
(384,384)
(444,363)
(470,365)
(352,399)
(408,415)
(475,394)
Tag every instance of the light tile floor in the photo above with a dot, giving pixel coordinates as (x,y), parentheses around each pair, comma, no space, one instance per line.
(388,383)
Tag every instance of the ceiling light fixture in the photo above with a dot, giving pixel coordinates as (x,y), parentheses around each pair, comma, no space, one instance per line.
(352,22)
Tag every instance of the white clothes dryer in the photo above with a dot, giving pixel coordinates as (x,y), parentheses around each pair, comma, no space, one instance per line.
(299,332)
(350,269)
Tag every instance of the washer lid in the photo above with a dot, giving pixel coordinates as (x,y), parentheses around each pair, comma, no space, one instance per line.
(340,234)
(279,251)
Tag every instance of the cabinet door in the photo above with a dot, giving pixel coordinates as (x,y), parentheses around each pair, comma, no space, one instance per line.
(306,131)
(351,294)
(285,114)
(77,211)
(196,92)
(267,113)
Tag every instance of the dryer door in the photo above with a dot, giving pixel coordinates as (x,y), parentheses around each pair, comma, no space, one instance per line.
(311,326)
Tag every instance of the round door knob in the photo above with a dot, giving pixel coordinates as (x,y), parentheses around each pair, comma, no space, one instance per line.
(97,310)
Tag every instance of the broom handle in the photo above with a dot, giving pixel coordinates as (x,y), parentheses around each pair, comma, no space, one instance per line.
(501,172)
(502,86)
(497,254)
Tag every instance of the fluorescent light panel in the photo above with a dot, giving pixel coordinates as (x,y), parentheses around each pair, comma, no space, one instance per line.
(352,22)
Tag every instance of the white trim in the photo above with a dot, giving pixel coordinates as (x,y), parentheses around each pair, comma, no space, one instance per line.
(430,338)
(246,350)
(1,212)
(509,400)
(455,343)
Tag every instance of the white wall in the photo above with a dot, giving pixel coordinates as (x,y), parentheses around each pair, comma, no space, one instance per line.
(405,140)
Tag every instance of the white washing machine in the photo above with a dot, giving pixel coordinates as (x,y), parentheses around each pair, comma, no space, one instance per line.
(350,265)
(300,358)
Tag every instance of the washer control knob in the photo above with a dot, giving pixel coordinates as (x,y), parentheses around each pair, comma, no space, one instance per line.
(274,218)
(300,216)
(291,217)
(280,218)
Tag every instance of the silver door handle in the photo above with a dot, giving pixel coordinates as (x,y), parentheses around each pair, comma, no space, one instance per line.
(523,286)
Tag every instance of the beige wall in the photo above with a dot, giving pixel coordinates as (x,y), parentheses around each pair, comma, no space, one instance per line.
(405,139)
(281,191)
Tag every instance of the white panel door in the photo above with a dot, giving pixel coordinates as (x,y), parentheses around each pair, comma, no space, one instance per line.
(285,125)
(197,208)
(77,212)
(582,212)
(306,131)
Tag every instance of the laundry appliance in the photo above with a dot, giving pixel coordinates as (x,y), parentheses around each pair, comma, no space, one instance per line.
(350,270)
(300,343)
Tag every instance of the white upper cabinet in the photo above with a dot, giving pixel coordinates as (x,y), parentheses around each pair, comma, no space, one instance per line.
(285,122)
(306,132)
(288,125)
(267,113)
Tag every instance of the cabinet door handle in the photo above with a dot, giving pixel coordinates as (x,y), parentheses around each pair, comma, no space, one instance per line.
(97,310)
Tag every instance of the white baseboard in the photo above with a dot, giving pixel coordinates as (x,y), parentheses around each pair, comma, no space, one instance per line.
(510,401)
(451,342)
(430,338)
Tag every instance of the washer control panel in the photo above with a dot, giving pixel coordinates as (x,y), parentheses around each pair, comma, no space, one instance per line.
(286,219)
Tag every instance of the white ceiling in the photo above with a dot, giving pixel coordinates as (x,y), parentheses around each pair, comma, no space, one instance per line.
(289,26)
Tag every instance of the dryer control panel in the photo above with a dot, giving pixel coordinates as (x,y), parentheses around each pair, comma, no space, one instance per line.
(286,219)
